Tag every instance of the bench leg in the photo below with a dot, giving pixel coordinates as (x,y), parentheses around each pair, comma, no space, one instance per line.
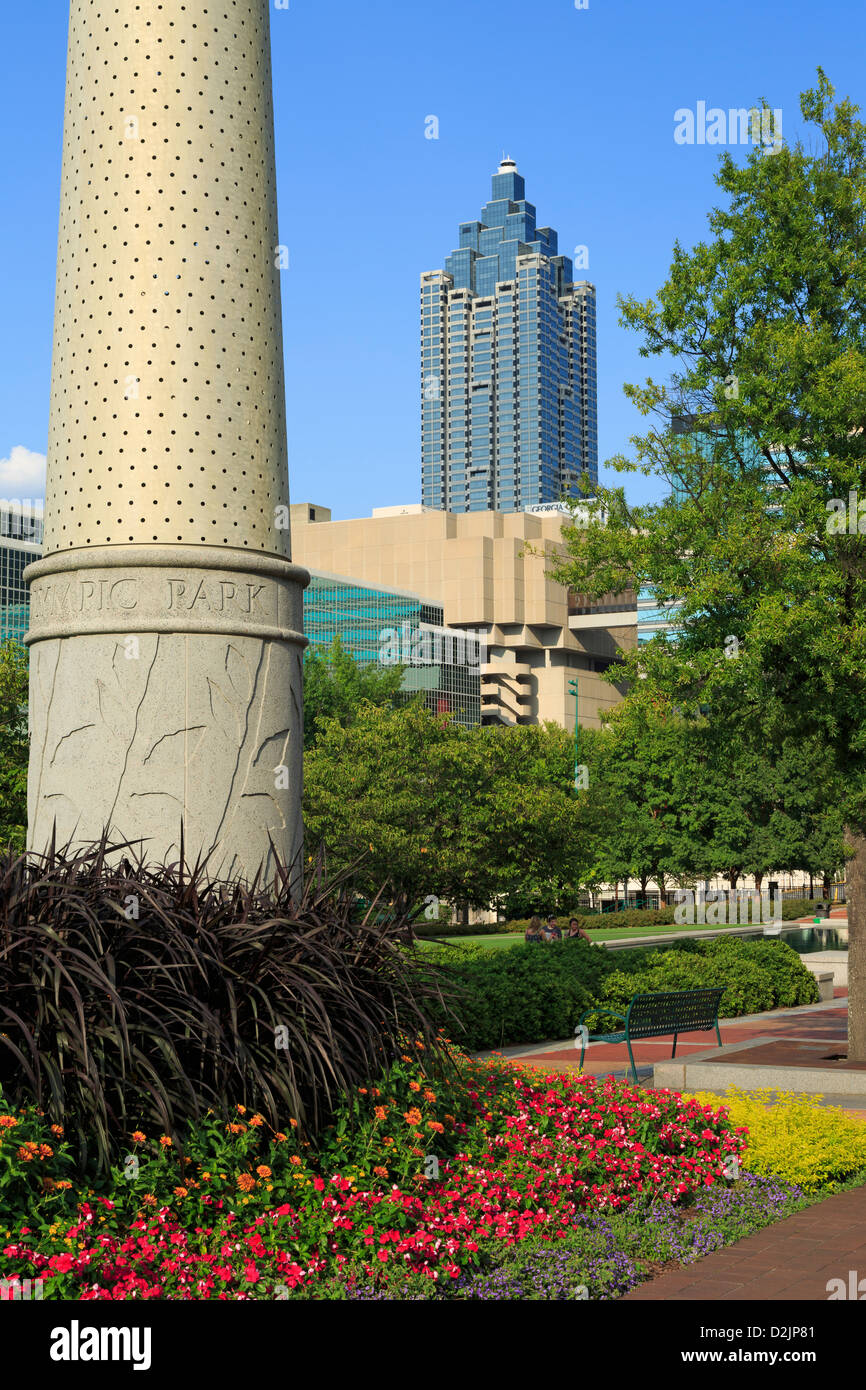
(718,1033)
(582,1051)
(631,1059)
(674,1053)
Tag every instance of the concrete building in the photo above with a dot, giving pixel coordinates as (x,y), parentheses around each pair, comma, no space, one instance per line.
(508,364)
(488,570)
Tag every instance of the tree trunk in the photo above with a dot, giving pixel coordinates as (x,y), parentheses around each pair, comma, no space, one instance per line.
(825,888)
(643,883)
(733,876)
(759,878)
(857,946)
(811,885)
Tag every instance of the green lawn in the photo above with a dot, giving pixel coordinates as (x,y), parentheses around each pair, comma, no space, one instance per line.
(499,942)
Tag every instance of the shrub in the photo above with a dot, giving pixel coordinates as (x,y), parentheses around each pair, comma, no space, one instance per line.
(520,995)
(531,993)
(793,1136)
(211,994)
(756,975)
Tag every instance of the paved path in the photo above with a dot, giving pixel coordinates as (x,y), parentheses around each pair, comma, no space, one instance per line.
(795,1259)
(823,1023)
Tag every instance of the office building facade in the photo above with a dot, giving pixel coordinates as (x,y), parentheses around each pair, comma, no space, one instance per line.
(20,545)
(509,387)
(489,570)
(395,627)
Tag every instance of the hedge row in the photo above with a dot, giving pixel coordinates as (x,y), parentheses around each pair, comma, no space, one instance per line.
(528,994)
(792,908)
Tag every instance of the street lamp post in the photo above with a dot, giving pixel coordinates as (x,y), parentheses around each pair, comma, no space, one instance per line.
(572,689)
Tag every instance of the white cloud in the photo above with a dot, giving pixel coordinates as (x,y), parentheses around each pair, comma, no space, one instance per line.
(22,475)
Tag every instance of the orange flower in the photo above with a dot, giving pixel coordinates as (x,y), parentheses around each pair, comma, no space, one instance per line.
(236,1129)
(414,1086)
(263,1171)
(165,1142)
(294,1159)
(430,1095)
(380,1112)
(293,1123)
(58,1130)
(280,1137)
(8,1122)
(64,1185)
(138,1137)
(380,1171)
(242,1109)
(257,1121)
(181,1192)
(149,1199)
(246,1182)
(376,1091)
(362,1090)
(45,1151)
(412,1117)
(434,1124)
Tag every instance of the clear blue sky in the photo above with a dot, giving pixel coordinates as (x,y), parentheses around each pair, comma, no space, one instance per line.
(584,100)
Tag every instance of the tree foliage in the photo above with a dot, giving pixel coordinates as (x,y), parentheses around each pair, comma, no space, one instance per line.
(336,686)
(763,330)
(13,744)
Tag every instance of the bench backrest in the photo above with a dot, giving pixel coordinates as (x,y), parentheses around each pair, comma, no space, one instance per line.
(682,1011)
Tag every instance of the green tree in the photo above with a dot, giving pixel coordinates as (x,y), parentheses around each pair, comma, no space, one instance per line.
(13,744)
(765,322)
(437,809)
(336,685)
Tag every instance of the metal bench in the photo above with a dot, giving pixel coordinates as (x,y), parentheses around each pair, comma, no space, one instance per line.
(657,1016)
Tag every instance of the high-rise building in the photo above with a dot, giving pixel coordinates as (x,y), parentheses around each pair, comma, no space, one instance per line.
(508,365)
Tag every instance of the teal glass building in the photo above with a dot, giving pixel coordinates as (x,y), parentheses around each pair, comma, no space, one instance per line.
(20,545)
(509,385)
(391,626)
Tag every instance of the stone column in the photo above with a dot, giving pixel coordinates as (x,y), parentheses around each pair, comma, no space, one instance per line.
(166,615)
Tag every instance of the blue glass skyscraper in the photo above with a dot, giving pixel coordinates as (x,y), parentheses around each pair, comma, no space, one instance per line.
(508,365)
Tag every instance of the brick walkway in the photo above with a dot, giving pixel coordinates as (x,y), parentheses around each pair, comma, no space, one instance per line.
(795,1259)
(824,1024)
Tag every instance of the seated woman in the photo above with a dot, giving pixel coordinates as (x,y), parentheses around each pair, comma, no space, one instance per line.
(534,930)
(575,930)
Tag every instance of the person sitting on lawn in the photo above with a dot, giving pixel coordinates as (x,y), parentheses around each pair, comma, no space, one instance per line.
(553,931)
(575,930)
(534,931)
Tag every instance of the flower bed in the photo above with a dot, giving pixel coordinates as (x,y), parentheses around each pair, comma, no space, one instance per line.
(245,1210)
(559,1187)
